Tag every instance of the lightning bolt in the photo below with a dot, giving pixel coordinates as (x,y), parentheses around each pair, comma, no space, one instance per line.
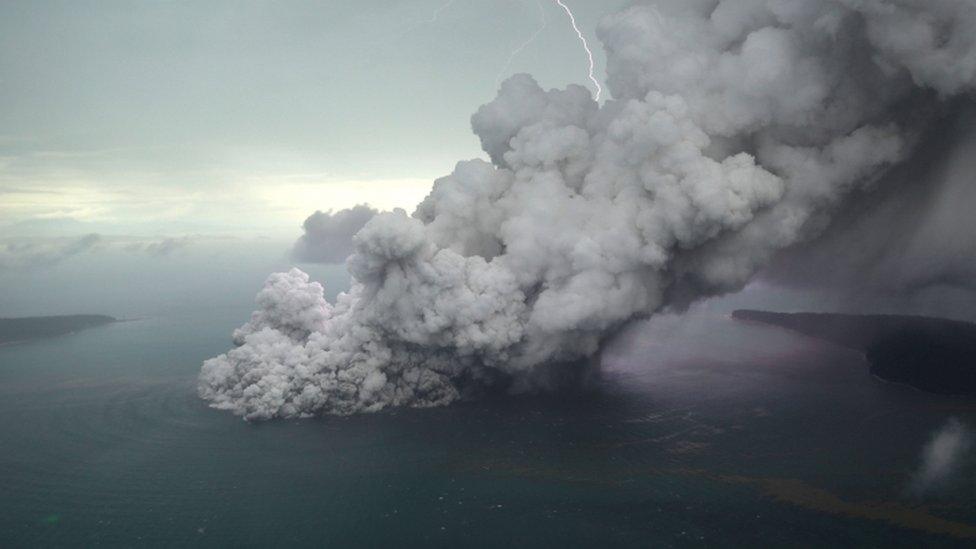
(410,27)
(523,45)
(589,54)
(437,12)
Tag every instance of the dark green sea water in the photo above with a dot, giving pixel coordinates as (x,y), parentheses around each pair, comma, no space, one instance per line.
(700,433)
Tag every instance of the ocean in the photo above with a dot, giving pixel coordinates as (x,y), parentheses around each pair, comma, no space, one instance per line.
(701,431)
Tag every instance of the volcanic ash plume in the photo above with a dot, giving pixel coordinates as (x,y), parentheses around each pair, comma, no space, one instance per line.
(735,129)
(941,457)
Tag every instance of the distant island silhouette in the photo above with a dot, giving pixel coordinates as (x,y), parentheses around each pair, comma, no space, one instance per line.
(932,354)
(27,328)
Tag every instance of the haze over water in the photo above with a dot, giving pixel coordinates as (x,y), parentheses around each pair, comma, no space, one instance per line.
(157,163)
(694,435)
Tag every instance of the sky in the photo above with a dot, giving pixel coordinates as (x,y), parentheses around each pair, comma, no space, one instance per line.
(135,135)
(170,118)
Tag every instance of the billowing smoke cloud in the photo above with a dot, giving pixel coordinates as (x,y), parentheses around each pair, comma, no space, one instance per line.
(735,129)
(328,236)
(32,254)
(941,457)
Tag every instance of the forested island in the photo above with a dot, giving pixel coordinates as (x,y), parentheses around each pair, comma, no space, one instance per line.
(932,354)
(23,329)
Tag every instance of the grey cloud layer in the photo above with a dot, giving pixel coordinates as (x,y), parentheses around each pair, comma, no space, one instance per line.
(36,253)
(161,248)
(736,128)
(32,254)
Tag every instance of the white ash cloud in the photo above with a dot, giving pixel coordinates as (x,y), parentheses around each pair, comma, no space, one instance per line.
(736,127)
(328,235)
(941,457)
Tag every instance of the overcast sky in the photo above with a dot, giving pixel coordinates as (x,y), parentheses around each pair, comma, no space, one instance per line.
(221,116)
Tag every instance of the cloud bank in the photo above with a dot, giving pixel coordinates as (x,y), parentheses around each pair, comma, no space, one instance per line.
(43,252)
(735,130)
(164,247)
(33,254)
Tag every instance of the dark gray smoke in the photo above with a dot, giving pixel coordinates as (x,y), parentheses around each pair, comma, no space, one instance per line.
(736,129)
(328,236)
(912,236)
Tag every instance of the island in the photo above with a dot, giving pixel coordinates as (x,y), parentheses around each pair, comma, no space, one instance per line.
(932,354)
(23,329)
